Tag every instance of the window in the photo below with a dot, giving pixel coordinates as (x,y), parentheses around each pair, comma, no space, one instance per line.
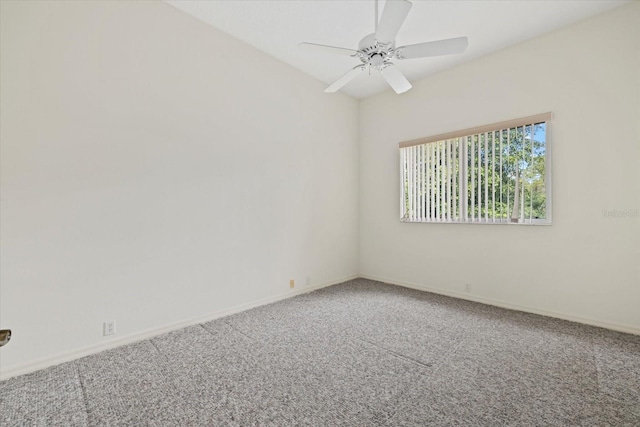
(494,174)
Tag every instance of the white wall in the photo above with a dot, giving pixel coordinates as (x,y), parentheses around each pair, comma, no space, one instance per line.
(585,266)
(156,170)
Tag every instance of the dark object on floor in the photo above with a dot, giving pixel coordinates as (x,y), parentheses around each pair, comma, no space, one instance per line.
(5,336)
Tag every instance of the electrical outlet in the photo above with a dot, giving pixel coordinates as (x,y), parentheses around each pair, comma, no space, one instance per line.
(467,287)
(109,328)
(292,283)
(308,281)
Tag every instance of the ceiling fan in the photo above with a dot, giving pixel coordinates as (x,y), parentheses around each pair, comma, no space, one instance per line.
(377,50)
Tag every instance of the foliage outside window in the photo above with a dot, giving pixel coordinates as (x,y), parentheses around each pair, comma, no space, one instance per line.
(495,174)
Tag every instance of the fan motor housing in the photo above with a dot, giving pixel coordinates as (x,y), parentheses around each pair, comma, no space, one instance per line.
(373,52)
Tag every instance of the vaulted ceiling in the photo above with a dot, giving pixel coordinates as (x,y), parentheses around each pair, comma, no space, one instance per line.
(276,28)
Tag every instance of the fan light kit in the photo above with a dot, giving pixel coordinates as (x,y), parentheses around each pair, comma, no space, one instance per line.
(376,51)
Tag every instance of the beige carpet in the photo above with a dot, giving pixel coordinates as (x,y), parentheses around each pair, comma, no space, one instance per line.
(360,353)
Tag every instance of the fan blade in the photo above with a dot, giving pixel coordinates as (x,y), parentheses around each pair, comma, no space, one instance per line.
(346,78)
(393,16)
(396,80)
(435,48)
(328,49)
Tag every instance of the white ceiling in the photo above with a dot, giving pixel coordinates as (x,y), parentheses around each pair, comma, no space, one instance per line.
(277,26)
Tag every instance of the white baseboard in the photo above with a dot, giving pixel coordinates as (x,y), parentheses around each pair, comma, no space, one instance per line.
(86,351)
(498,303)
(149,333)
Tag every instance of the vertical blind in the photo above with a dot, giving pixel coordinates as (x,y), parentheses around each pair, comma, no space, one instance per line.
(498,173)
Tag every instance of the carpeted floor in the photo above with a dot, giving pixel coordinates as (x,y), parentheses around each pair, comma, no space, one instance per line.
(360,353)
